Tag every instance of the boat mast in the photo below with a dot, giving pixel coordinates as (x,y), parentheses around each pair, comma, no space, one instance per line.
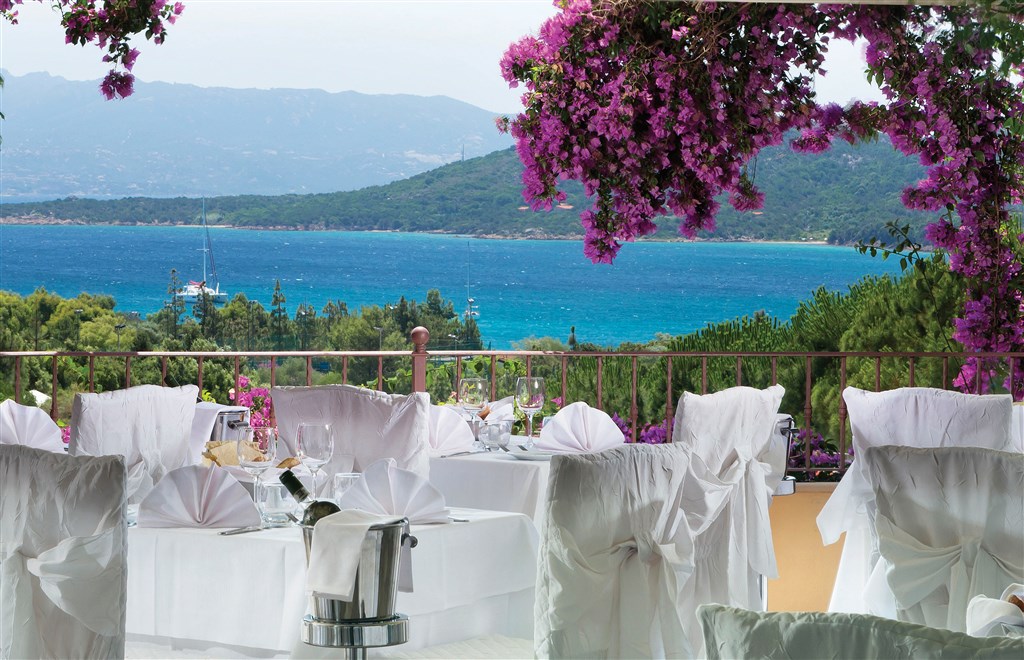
(206,244)
(208,252)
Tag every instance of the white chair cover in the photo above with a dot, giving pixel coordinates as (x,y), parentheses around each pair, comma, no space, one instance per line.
(198,496)
(578,427)
(367,425)
(149,425)
(729,436)
(63,573)
(1017,426)
(734,633)
(912,417)
(614,553)
(29,426)
(949,525)
(449,432)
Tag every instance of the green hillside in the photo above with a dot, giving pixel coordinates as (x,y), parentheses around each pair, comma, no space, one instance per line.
(844,195)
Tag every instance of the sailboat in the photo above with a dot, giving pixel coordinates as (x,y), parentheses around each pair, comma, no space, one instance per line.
(193,291)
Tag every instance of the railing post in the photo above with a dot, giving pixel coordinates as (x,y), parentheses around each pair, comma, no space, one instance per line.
(420,336)
(127,371)
(53,391)
(17,379)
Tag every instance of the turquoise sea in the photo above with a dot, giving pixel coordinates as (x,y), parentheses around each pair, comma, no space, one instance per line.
(522,288)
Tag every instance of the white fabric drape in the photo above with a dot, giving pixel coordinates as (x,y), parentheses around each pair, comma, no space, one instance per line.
(949,525)
(148,425)
(28,426)
(63,572)
(729,434)
(996,616)
(367,425)
(912,417)
(615,551)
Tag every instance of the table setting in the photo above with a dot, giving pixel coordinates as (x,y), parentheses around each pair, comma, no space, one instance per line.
(196,583)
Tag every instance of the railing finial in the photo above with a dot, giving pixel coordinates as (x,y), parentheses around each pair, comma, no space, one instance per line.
(420,336)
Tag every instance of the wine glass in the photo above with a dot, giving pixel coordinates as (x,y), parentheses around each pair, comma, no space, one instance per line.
(257,450)
(530,399)
(314,447)
(473,396)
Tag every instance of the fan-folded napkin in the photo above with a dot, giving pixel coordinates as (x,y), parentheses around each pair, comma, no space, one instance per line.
(28,426)
(386,489)
(334,554)
(989,616)
(502,410)
(449,432)
(197,496)
(579,428)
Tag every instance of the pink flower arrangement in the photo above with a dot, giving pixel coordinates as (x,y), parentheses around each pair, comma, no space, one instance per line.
(256,399)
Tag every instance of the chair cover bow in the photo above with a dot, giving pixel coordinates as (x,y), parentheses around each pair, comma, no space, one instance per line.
(79,575)
(971,568)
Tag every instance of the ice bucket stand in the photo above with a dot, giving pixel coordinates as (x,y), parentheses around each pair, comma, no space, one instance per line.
(369,619)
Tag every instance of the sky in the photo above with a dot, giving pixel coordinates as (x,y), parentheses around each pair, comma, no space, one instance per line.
(421,47)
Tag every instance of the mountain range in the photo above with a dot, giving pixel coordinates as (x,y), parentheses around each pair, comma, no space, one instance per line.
(62,138)
(307,159)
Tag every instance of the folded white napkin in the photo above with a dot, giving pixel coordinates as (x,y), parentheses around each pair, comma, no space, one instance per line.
(197,496)
(579,428)
(992,616)
(334,554)
(389,490)
(502,410)
(28,426)
(449,432)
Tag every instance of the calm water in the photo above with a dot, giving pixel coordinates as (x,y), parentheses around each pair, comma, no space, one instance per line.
(522,288)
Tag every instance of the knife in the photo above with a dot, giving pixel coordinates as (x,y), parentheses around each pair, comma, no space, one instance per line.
(242,530)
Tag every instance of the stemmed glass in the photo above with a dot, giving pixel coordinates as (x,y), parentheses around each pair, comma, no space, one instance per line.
(473,396)
(530,399)
(256,452)
(314,447)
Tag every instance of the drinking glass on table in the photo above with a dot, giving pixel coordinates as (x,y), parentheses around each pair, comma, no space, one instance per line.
(257,449)
(342,482)
(314,447)
(530,399)
(473,396)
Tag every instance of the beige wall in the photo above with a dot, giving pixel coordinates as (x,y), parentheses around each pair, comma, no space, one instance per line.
(807,569)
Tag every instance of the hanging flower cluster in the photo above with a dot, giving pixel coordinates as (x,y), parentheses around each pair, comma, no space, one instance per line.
(661,108)
(110,25)
(256,399)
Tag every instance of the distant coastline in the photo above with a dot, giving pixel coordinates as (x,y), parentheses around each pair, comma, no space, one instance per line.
(530,235)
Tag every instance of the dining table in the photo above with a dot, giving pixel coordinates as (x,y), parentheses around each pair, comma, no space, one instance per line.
(516,482)
(194,590)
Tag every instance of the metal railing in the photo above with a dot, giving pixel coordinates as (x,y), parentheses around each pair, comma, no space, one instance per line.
(419,359)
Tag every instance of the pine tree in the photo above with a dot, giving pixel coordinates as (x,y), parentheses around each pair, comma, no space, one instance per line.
(278,316)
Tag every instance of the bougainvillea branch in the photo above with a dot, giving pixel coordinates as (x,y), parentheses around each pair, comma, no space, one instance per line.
(110,25)
(658,107)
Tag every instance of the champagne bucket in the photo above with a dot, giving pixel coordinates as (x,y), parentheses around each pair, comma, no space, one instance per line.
(376,587)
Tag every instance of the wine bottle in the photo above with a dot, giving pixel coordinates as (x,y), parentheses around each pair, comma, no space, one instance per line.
(314,509)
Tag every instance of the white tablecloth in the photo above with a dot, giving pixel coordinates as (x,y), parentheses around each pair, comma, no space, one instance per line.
(195,589)
(494,481)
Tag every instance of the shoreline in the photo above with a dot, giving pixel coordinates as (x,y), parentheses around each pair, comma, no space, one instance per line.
(531,235)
